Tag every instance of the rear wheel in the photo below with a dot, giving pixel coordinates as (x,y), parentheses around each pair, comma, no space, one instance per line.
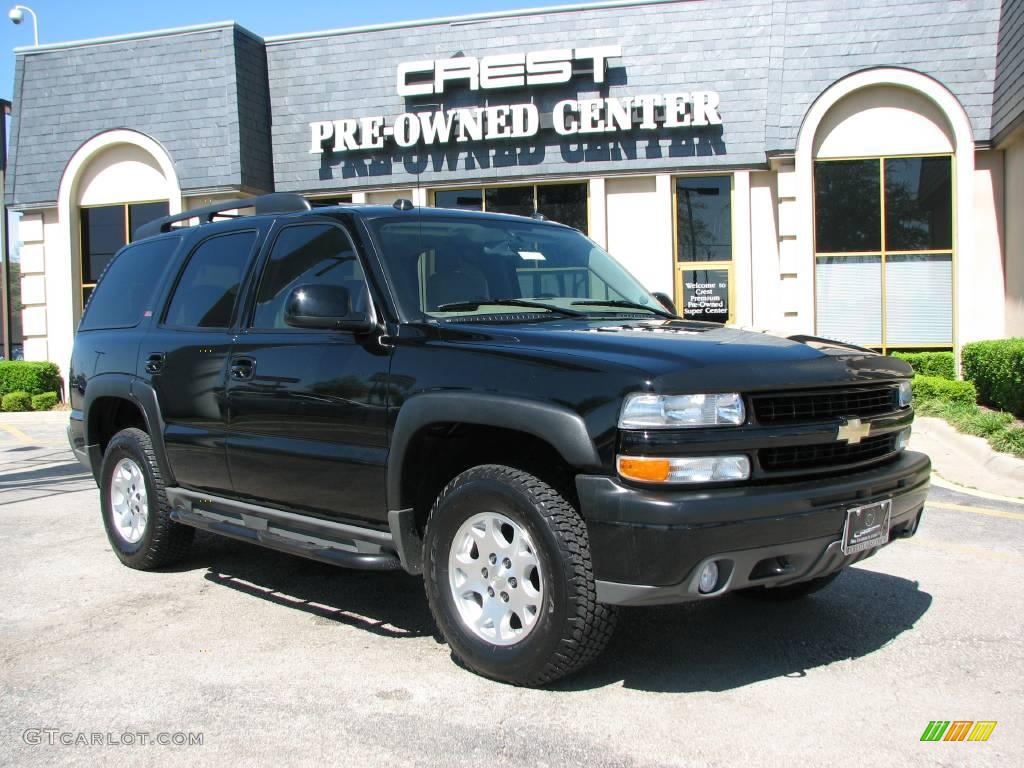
(791,592)
(136,513)
(509,579)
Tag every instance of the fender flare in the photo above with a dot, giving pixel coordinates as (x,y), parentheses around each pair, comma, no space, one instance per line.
(128,387)
(561,428)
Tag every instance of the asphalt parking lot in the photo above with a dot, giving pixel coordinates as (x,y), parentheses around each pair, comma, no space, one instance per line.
(277,660)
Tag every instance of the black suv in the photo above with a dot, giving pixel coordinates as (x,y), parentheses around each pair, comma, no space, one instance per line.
(490,401)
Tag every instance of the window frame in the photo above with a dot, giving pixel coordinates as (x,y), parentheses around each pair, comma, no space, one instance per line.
(884,253)
(187,260)
(248,313)
(679,267)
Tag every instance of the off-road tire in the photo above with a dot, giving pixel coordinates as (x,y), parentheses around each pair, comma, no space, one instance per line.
(791,592)
(163,541)
(572,627)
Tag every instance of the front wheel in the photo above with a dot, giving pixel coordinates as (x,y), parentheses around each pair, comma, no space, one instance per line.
(509,578)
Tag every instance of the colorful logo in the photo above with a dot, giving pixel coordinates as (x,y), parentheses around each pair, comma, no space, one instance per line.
(958,730)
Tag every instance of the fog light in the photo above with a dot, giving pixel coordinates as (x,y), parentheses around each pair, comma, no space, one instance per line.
(708,578)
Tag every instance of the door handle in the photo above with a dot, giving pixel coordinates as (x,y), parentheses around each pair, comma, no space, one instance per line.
(242,368)
(155,362)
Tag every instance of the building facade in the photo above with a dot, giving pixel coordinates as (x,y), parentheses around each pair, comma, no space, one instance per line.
(848,170)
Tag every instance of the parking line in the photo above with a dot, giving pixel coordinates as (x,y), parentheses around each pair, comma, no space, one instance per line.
(975,510)
(16,433)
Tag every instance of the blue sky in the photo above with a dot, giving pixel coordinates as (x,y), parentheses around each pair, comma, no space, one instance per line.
(63,20)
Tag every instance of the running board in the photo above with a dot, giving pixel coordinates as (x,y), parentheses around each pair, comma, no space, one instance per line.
(349,546)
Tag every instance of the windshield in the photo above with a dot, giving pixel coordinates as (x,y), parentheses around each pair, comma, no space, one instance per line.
(446,268)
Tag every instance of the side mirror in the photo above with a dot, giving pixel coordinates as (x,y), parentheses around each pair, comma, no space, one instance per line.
(327,307)
(665,301)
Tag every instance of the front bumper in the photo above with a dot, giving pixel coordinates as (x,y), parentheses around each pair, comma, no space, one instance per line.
(648,545)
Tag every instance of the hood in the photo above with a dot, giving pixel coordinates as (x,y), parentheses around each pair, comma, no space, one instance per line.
(680,355)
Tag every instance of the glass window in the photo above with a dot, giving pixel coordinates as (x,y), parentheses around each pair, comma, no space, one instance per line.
(143,213)
(847,206)
(918,204)
(308,255)
(918,299)
(515,200)
(128,284)
(466,199)
(849,292)
(894,288)
(704,218)
(103,234)
(706,294)
(564,203)
(432,264)
(325,202)
(206,293)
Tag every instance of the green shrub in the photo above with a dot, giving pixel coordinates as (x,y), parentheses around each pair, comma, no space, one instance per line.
(44,401)
(997,370)
(32,377)
(16,401)
(940,364)
(934,388)
(1010,441)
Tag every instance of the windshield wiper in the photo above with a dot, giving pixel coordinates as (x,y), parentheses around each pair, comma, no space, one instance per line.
(469,306)
(627,305)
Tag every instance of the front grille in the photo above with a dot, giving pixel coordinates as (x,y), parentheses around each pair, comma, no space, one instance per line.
(780,408)
(824,455)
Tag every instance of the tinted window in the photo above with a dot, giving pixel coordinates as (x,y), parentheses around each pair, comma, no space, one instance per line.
(103,233)
(514,200)
(704,218)
(206,293)
(918,203)
(143,213)
(467,199)
(847,208)
(307,255)
(127,286)
(564,203)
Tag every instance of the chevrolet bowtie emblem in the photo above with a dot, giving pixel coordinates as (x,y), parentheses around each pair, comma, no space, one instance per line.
(853,431)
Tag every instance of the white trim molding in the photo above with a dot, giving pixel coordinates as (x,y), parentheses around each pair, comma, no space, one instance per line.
(63,268)
(973,303)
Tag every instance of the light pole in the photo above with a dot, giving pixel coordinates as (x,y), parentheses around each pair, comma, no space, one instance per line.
(17,13)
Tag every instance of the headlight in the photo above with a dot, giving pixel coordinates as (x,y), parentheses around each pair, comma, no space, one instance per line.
(645,411)
(905,394)
(903,439)
(691,469)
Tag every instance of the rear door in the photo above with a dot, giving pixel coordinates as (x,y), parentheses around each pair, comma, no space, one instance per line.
(185,356)
(308,407)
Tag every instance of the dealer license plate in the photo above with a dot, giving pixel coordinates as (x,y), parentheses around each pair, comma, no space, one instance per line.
(866,527)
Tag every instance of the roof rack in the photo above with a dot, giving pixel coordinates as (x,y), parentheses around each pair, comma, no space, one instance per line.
(276,202)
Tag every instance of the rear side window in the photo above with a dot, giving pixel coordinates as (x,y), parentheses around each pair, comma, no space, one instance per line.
(126,288)
(208,289)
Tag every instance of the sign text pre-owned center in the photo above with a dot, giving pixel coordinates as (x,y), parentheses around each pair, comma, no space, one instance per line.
(569,117)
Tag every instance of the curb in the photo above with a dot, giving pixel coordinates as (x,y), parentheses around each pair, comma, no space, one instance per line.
(966,460)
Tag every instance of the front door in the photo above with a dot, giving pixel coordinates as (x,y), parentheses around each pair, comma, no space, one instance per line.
(308,407)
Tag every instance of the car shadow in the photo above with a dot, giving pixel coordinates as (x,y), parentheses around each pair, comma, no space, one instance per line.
(390,604)
(723,644)
(716,645)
